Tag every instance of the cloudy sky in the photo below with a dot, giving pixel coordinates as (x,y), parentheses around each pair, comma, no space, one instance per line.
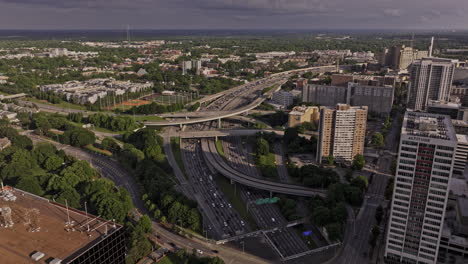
(234,14)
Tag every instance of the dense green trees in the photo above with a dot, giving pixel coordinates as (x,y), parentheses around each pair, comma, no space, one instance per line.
(215,85)
(138,243)
(314,176)
(264,159)
(142,153)
(297,144)
(73,135)
(378,140)
(359,162)
(155,108)
(114,123)
(48,172)
(329,214)
(78,137)
(182,256)
(263,147)
(361,182)
(110,144)
(30,184)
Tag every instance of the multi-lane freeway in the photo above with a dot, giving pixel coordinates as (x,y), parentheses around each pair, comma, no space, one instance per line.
(113,171)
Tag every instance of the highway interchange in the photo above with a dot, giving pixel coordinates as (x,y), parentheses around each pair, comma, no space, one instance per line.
(285,241)
(221,219)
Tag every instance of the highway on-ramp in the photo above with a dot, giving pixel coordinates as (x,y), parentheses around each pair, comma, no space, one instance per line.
(215,160)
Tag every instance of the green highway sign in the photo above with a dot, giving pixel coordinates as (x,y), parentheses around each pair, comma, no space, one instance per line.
(267,201)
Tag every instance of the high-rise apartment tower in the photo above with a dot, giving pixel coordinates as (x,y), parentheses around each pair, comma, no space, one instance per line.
(431,79)
(342,132)
(425,165)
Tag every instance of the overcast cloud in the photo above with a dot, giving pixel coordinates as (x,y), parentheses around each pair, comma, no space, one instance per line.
(234,14)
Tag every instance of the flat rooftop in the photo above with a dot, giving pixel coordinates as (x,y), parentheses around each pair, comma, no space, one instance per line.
(300,110)
(462,138)
(441,104)
(38,224)
(429,126)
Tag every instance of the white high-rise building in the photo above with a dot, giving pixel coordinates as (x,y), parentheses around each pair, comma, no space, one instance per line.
(431,79)
(425,165)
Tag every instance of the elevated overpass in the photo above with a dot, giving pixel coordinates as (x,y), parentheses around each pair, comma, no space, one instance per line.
(181,122)
(226,133)
(318,69)
(216,161)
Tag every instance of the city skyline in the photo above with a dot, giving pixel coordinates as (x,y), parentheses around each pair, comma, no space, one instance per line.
(227,14)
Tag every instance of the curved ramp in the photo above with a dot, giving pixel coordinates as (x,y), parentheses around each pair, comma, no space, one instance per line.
(214,159)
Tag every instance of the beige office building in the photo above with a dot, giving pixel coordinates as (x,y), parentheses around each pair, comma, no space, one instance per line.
(302,114)
(342,132)
(401,57)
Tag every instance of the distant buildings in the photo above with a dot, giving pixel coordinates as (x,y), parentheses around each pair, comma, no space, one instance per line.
(189,65)
(7,115)
(272,54)
(452,109)
(459,93)
(370,80)
(426,160)
(3,79)
(90,91)
(301,83)
(283,98)
(453,246)
(37,230)
(141,72)
(431,79)
(302,114)
(378,99)
(341,132)
(400,57)
(460,77)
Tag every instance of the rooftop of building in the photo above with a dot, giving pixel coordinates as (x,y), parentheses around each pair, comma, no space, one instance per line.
(40,225)
(347,107)
(301,109)
(442,104)
(459,123)
(462,138)
(429,126)
(436,60)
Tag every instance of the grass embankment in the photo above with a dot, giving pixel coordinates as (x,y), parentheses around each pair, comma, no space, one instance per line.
(147,118)
(98,150)
(236,201)
(219,148)
(267,166)
(175,145)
